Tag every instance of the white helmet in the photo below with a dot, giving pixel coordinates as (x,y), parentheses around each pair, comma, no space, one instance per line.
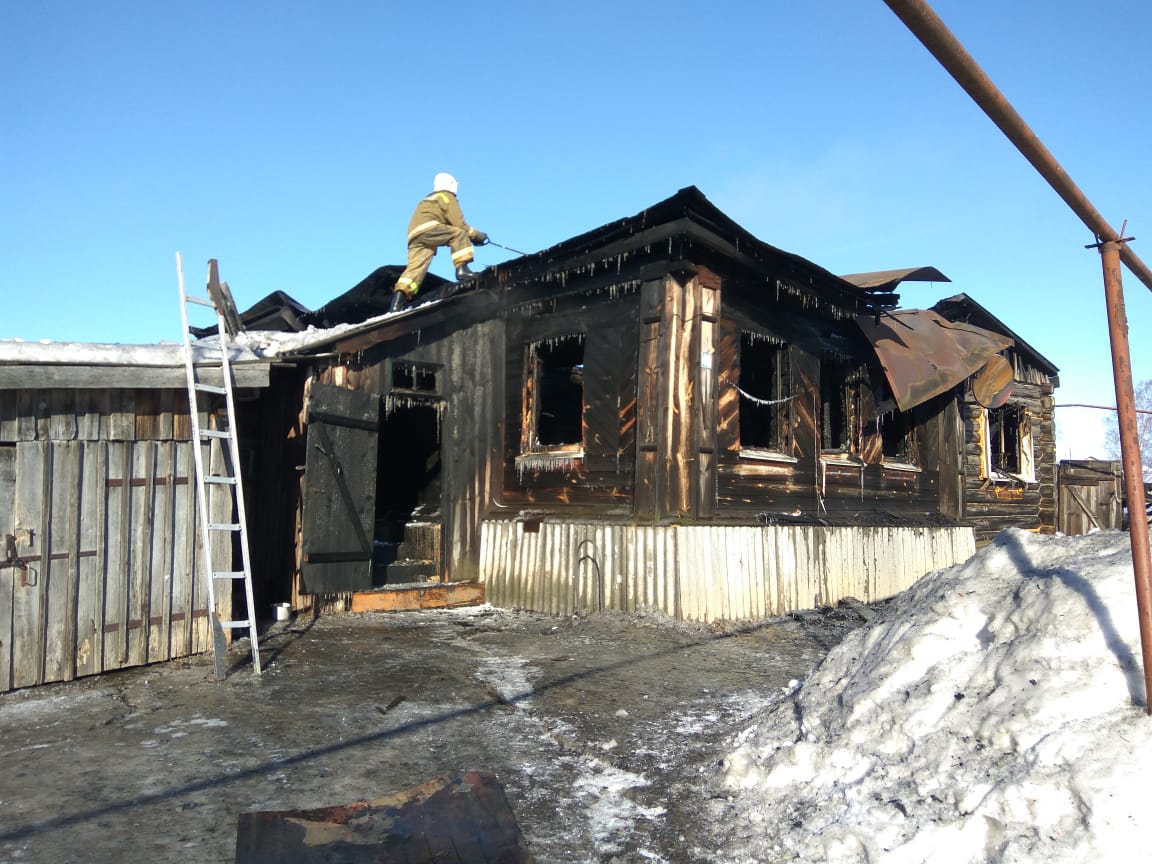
(444,183)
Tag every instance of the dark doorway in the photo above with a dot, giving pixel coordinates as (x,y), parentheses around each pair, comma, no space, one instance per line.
(407,536)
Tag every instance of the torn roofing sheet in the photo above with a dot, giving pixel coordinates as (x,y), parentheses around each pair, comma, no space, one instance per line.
(924,354)
(889,279)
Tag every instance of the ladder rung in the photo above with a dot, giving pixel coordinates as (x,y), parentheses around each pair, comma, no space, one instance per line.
(211,388)
(213,433)
(228,481)
(223,526)
(199,301)
(235,625)
(228,574)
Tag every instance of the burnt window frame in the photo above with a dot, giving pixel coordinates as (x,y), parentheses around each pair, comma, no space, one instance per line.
(1010,422)
(847,383)
(897,431)
(535,392)
(428,374)
(760,406)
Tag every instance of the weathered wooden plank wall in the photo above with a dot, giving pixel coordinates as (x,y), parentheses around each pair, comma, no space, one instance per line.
(705,573)
(93,415)
(9,574)
(109,536)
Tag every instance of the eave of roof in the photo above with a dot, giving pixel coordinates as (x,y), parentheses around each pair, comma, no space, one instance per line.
(93,365)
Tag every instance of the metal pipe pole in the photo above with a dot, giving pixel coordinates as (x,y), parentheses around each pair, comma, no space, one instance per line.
(1130,452)
(919,17)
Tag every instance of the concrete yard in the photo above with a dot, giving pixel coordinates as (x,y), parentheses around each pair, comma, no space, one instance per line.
(605,732)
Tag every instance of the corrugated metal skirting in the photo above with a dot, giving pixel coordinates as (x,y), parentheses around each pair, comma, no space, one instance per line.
(705,573)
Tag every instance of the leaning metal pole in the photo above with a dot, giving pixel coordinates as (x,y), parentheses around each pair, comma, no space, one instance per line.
(946,48)
(919,17)
(1129,444)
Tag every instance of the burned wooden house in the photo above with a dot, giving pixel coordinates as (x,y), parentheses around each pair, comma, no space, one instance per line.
(663,413)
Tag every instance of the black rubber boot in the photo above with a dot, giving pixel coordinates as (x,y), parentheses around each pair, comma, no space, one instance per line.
(399,301)
(463,274)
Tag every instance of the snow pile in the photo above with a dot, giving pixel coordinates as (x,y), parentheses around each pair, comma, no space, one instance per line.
(992,712)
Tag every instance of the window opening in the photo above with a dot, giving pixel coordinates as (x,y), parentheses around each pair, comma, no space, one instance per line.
(896,443)
(841,400)
(555,394)
(764,397)
(1009,442)
(414,377)
(894,435)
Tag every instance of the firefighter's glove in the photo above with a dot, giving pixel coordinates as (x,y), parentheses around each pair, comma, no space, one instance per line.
(481,239)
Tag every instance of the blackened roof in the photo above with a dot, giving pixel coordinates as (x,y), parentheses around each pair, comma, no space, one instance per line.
(686,227)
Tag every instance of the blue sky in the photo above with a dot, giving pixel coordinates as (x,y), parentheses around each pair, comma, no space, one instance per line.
(291,140)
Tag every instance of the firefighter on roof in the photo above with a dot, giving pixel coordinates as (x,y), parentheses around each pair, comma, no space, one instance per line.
(437,222)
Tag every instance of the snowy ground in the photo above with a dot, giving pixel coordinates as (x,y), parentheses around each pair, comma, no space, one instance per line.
(992,713)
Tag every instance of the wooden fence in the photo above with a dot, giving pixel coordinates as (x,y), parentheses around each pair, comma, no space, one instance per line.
(102,570)
(1091,494)
(705,573)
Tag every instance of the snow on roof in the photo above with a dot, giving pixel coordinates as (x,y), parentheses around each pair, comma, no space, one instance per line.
(270,344)
(992,712)
(18,351)
(248,346)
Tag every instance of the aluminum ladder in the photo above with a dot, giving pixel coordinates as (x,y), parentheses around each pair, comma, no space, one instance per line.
(203,361)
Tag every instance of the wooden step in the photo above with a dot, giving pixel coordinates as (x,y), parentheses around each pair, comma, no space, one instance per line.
(403,598)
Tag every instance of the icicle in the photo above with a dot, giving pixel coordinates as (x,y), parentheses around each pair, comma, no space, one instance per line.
(759,401)
(564,461)
(754,337)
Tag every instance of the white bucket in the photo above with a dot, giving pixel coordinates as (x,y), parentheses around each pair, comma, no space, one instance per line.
(281,611)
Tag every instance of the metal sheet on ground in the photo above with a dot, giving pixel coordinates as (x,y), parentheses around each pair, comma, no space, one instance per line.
(462,817)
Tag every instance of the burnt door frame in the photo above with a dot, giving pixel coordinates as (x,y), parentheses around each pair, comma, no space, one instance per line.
(339,506)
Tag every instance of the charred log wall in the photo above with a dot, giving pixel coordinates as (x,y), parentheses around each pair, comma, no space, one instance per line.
(469,398)
(992,504)
(799,477)
(598,475)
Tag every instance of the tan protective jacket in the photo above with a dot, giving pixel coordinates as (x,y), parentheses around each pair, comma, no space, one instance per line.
(439,208)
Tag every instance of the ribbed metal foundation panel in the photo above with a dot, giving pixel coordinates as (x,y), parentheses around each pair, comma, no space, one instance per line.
(705,572)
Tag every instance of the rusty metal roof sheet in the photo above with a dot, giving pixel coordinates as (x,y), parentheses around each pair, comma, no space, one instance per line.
(891,278)
(925,354)
(961,307)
